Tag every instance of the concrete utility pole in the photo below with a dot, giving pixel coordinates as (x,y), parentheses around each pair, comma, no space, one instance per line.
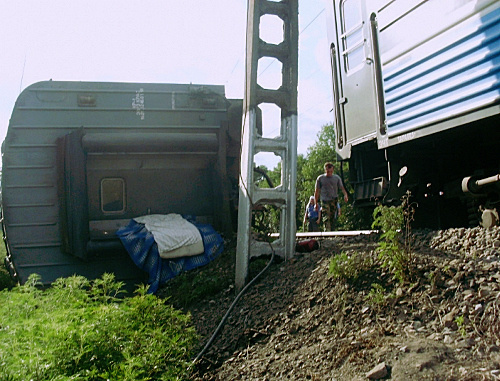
(284,146)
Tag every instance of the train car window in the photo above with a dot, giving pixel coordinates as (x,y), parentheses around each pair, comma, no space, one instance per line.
(112,195)
(352,34)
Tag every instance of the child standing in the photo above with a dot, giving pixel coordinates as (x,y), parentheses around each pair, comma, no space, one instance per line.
(312,215)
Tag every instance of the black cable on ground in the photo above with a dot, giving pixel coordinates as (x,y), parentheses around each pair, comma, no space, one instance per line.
(223,321)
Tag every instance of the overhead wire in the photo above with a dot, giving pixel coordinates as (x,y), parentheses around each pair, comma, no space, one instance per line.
(310,75)
(314,19)
(232,71)
(22,74)
(307,26)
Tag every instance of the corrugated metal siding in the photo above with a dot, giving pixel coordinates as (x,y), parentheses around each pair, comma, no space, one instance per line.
(457,71)
(49,110)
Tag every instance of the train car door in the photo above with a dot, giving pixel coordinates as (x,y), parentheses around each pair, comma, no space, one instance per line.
(354,69)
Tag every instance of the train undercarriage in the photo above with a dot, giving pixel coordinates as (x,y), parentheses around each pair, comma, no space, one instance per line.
(453,176)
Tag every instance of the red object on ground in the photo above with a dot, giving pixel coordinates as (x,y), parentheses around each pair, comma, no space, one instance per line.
(306,246)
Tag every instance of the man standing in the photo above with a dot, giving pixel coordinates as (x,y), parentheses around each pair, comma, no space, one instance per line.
(327,192)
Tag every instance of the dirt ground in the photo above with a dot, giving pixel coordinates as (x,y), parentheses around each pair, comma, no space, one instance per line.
(300,322)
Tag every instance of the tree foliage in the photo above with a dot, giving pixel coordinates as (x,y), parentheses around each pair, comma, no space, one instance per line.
(317,155)
(309,167)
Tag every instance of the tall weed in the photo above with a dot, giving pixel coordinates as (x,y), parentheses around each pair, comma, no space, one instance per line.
(394,248)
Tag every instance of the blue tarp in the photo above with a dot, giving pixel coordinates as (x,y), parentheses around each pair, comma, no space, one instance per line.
(142,248)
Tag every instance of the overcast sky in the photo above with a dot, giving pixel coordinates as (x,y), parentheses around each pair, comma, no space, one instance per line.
(160,41)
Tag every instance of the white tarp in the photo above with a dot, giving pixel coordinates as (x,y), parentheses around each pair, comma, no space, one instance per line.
(174,235)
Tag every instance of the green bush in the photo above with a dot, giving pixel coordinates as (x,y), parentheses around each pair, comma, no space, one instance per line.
(81,330)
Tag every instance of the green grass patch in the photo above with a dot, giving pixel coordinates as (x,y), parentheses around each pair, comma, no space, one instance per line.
(197,285)
(192,287)
(378,297)
(85,330)
(349,267)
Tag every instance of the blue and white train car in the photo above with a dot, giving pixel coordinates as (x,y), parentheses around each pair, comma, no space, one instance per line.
(416,87)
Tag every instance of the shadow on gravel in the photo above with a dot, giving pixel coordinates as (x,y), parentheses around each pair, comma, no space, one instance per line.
(251,320)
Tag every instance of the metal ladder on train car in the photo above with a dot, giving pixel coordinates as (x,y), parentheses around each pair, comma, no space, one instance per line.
(284,146)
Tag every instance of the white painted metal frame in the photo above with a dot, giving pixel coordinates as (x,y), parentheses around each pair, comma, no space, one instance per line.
(285,146)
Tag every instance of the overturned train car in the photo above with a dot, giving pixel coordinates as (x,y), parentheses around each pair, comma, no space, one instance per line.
(416,88)
(81,159)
